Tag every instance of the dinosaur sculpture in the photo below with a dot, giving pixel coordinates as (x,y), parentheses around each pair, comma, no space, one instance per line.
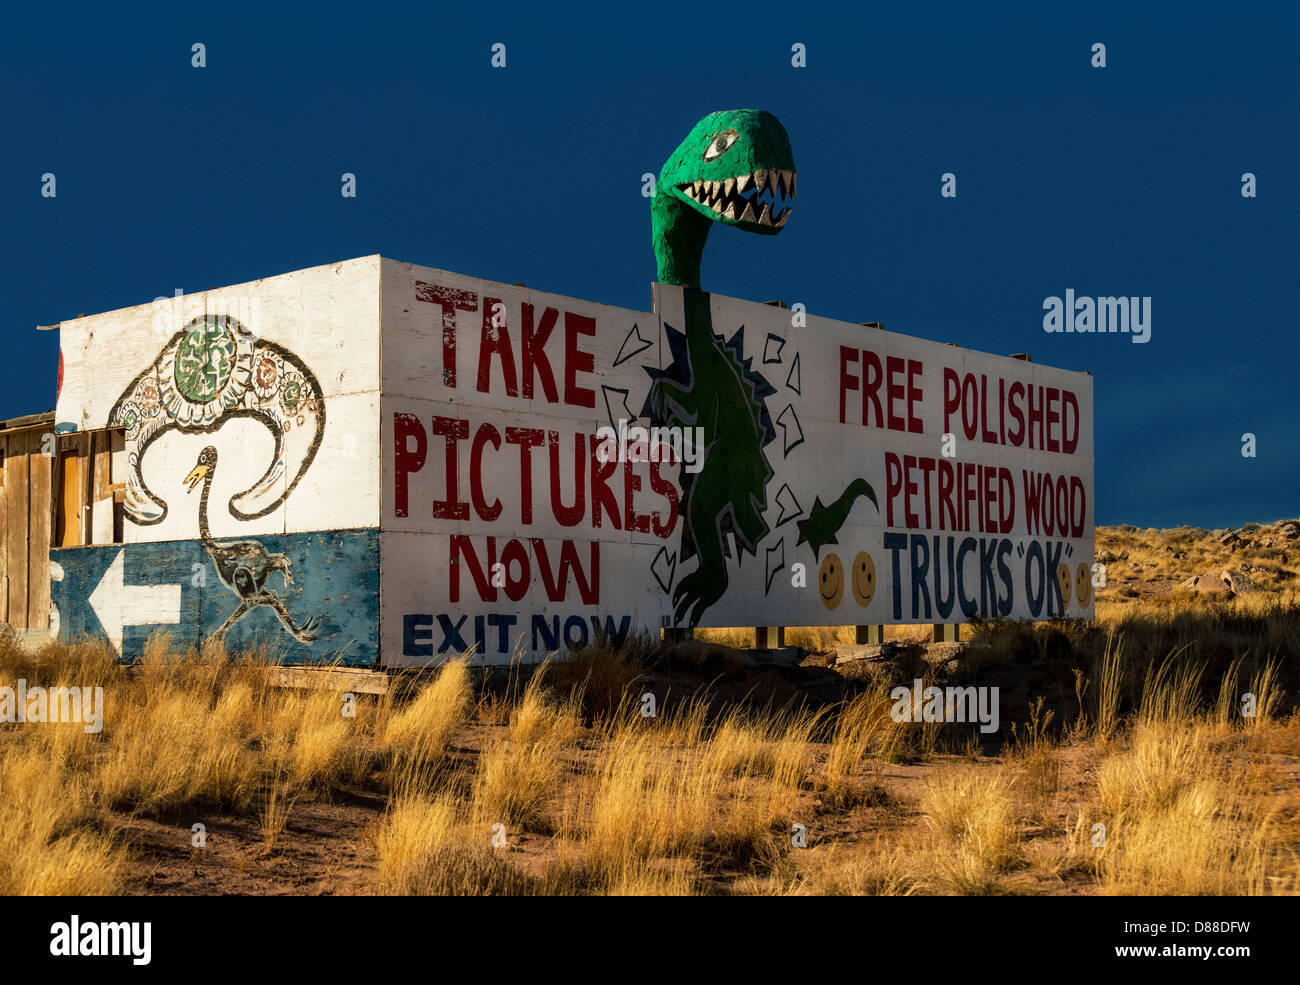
(244,566)
(736,168)
(211,371)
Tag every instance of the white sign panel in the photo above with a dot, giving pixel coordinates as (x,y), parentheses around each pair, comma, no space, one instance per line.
(556,469)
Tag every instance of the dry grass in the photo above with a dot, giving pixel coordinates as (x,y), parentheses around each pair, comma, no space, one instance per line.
(877,868)
(426,847)
(1179,820)
(594,798)
(1166,558)
(1033,751)
(49,845)
(415,738)
(519,773)
(975,828)
(864,732)
(277,804)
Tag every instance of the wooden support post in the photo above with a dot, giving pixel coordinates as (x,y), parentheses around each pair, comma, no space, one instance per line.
(871,634)
(769,637)
(675,635)
(947,632)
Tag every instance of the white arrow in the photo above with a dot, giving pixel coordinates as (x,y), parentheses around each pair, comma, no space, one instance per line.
(117,604)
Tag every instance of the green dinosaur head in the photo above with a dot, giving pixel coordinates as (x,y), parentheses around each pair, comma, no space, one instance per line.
(734,167)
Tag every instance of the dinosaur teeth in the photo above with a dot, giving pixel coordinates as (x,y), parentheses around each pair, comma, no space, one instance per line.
(794,176)
(735,199)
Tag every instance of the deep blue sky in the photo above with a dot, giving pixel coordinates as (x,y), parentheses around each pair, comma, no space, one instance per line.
(1117,181)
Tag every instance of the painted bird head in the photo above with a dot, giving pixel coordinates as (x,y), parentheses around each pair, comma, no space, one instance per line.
(202,468)
(281,563)
(734,167)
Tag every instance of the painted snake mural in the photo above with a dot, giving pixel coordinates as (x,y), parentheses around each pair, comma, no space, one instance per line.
(212,371)
(735,167)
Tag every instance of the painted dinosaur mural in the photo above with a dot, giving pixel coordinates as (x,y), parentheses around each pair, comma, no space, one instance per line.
(824,522)
(735,167)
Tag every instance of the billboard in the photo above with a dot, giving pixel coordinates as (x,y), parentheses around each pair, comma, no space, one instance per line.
(382,462)
(556,469)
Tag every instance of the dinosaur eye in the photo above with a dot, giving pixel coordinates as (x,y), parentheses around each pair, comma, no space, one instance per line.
(720,144)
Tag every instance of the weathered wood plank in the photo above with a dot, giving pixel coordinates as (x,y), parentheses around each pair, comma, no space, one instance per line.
(101,525)
(117,480)
(16,508)
(41,491)
(87,486)
(341,679)
(68,532)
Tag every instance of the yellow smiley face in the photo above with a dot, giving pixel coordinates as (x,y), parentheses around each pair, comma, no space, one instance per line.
(830,581)
(1063,576)
(863,578)
(1083,586)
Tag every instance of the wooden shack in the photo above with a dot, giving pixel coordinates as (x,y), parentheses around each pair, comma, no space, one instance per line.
(26,522)
(57,490)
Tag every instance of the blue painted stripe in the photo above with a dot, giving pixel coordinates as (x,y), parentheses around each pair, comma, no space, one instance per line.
(335,577)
